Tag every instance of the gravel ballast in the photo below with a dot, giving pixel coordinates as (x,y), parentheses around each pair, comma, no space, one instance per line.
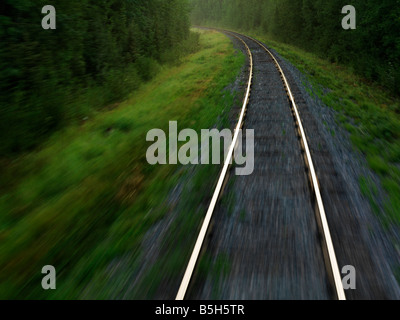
(264,232)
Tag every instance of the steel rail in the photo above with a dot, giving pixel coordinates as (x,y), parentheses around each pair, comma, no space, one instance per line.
(329,251)
(203,231)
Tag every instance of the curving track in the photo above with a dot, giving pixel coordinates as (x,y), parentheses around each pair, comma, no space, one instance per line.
(285,226)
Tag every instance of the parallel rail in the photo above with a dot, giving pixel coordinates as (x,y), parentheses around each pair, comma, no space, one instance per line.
(203,231)
(327,244)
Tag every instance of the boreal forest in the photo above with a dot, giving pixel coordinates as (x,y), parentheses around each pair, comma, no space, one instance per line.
(372,49)
(95,45)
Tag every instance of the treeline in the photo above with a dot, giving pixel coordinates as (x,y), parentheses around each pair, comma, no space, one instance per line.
(100,51)
(372,50)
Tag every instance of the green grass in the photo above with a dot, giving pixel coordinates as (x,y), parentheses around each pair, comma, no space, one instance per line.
(367,111)
(217,268)
(86,198)
(242,215)
(228,199)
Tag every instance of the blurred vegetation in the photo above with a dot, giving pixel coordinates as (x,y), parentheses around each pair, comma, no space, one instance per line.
(372,50)
(84,201)
(100,51)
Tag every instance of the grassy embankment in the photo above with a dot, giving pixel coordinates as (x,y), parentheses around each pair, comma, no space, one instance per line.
(85,199)
(369,113)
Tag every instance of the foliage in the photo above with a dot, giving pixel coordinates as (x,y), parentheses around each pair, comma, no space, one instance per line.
(372,50)
(100,51)
(85,200)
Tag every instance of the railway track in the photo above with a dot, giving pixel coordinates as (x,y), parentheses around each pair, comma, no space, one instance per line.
(293,140)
